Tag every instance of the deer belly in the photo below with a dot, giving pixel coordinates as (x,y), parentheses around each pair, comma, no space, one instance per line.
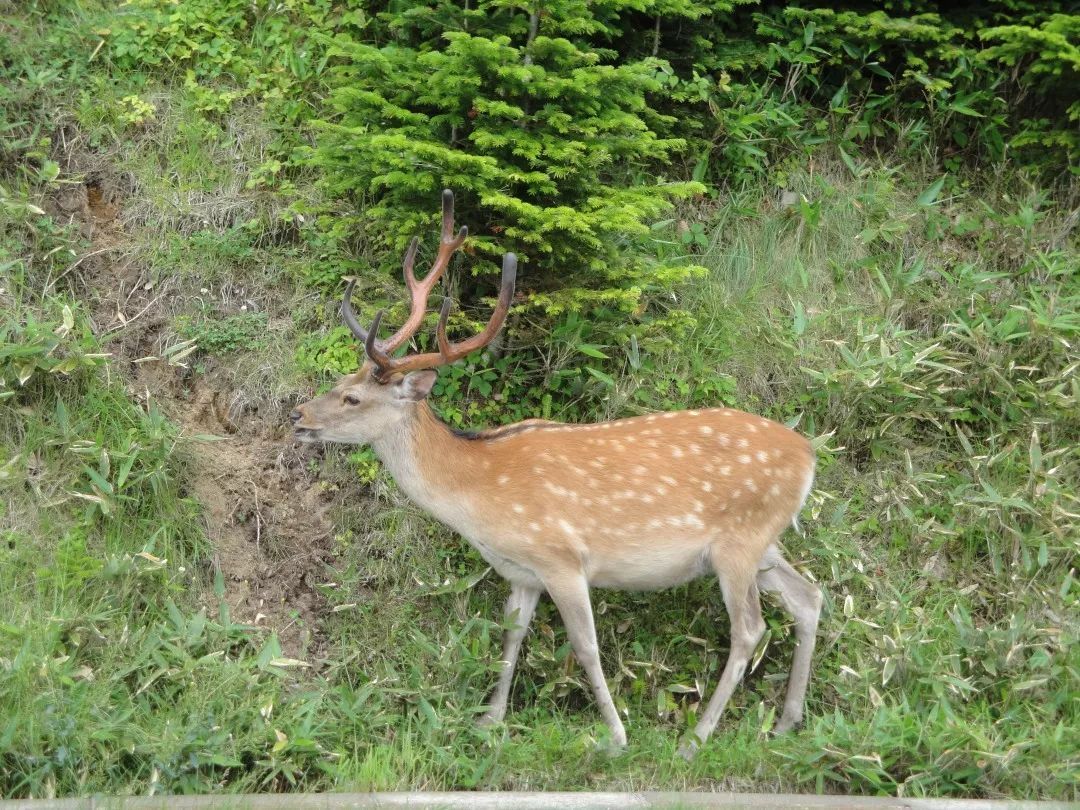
(645,566)
(508,569)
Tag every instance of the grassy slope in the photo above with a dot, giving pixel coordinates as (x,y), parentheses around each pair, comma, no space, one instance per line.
(943,528)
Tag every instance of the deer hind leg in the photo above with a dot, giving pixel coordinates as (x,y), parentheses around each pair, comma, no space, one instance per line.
(520,607)
(571,596)
(803,600)
(744,610)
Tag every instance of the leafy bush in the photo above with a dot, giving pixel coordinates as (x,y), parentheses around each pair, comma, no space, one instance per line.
(229,51)
(1045,64)
(223,335)
(924,77)
(31,347)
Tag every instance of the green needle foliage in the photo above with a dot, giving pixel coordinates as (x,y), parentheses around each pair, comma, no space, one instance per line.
(550,148)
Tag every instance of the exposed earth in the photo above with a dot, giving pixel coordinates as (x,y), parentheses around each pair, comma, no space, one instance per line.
(265,513)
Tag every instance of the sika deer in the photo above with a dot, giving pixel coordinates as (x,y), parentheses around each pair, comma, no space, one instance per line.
(641,503)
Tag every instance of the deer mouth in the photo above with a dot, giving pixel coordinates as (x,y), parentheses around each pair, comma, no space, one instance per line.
(306,435)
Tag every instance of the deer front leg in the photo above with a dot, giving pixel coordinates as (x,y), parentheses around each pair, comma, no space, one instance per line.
(571,596)
(518,613)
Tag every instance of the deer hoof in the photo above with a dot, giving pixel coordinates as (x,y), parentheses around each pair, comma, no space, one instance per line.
(688,750)
(487,720)
(611,748)
(785,724)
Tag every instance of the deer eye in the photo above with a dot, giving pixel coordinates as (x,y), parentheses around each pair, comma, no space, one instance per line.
(351,399)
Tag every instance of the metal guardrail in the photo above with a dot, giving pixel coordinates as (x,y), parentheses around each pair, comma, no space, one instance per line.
(526,801)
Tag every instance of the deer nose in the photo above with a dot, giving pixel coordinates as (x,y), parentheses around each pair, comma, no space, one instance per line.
(295,416)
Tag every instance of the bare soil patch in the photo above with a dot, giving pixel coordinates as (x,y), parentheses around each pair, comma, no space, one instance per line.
(266,515)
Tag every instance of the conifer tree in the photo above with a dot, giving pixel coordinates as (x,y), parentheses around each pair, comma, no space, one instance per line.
(549,143)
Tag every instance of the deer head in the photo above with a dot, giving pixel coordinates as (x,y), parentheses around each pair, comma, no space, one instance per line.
(366,405)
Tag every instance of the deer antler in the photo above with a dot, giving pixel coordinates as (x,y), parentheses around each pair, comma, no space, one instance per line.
(378,351)
(419,290)
(448,352)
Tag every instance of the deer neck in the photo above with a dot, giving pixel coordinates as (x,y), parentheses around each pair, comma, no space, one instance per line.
(435,468)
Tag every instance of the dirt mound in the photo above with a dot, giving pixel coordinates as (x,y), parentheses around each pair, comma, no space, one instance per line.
(266,518)
(266,515)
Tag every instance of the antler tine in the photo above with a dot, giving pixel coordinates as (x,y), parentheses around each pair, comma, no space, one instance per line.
(445,349)
(371,344)
(348,315)
(376,352)
(447,214)
(449,352)
(420,289)
(373,347)
(410,260)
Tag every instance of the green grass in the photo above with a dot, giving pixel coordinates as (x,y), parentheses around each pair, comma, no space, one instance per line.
(927,340)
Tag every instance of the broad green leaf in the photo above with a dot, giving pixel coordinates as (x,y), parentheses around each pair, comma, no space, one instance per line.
(607,379)
(965,110)
(844,156)
(928,196)
(591,351)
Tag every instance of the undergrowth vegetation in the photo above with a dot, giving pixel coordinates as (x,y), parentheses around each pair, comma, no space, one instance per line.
(861,223)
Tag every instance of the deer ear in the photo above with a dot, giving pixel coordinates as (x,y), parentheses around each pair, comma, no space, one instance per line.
(415,386)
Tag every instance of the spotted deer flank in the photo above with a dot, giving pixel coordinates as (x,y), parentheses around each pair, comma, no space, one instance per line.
(636,504)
